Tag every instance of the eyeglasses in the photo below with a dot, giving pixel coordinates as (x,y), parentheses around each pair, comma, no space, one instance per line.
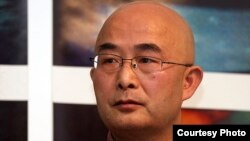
(146,64)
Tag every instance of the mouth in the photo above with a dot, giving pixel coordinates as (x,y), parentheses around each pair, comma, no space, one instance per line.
(127,105)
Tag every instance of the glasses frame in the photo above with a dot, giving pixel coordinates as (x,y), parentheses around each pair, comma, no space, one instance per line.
(92,59)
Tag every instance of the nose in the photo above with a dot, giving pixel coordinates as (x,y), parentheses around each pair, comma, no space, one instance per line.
(133,63)
(126,78)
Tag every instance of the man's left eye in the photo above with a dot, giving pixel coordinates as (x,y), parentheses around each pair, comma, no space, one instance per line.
(146,60)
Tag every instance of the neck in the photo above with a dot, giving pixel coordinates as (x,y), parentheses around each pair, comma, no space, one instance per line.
(143,136)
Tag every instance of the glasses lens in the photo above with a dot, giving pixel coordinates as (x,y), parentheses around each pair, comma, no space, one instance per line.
(144,64)
(148,64)
(107,62)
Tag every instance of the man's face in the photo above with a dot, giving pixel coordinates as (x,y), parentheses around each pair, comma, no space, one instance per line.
(127,98)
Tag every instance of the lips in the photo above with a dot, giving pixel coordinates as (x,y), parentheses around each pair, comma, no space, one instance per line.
(124,102)
(127,105)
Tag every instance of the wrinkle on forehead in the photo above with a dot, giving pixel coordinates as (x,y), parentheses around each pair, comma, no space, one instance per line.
(154,18)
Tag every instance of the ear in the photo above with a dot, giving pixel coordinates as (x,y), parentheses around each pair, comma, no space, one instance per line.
(92,73)
(192,79)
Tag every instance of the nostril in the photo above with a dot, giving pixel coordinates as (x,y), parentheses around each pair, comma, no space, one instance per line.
(120,86)
(131,86)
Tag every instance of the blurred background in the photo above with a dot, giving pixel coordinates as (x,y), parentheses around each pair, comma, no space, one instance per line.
(13,52)
(222,37)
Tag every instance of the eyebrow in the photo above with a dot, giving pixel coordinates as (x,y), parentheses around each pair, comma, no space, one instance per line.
(106,46)
(139,47)
(148,47)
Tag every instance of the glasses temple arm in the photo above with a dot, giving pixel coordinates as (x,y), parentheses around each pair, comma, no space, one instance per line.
(186,65)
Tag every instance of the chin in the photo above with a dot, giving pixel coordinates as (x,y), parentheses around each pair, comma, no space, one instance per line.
(131,123)
(126,128)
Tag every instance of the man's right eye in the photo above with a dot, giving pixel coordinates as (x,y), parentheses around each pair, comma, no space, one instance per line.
(109,61)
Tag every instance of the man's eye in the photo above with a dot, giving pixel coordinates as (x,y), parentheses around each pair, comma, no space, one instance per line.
(109,61)
(146,60)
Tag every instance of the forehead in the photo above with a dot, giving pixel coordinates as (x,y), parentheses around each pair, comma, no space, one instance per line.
(128,28)
(131,43)
(142,47)
(136,33)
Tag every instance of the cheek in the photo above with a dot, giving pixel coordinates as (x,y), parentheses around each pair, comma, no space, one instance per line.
(164,91)
(162,85)
(164,99)
(103,86)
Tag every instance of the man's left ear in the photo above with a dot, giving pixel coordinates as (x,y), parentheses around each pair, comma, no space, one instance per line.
(192,80)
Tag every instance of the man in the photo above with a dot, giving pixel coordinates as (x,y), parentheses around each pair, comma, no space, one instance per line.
(143,71)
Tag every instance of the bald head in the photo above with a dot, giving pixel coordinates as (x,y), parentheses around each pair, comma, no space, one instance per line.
(146,21)
(144,31)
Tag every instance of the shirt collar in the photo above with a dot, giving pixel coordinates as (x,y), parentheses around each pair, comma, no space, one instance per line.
(109,137)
